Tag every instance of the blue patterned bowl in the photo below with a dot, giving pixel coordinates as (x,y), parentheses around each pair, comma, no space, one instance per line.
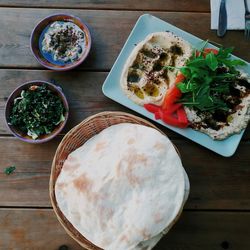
(38,33)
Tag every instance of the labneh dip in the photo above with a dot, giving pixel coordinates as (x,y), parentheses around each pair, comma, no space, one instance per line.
(65,41)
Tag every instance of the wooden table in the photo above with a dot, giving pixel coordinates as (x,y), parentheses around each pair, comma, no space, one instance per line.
(216,215)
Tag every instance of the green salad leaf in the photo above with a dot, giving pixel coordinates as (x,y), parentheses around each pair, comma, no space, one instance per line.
(208,77)
(211,61)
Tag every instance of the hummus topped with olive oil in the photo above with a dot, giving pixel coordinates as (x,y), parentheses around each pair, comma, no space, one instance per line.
(145,78)
(65,41)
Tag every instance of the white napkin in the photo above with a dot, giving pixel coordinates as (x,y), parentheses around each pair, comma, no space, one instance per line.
(235,14)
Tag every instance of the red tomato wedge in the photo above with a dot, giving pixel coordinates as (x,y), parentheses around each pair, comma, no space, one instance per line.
(173,94)
(207,51)
(172,108)
(179,78)
(170,112)
(182,117)
(174,119)
(157,115)
(151,107)
(169,119)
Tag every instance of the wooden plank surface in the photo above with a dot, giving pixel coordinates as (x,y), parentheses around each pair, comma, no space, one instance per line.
(83,90)
(106,27)
(208,230)
(193,231)
(23,229)
(216,182)
(167,5)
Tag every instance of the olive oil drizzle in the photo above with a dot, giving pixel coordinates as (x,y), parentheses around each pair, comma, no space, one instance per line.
(137,70)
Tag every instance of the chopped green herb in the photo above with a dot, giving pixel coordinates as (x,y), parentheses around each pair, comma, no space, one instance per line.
(37,111)
(9,170)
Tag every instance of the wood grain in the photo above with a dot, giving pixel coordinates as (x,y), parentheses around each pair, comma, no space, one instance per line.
(216,182)
(32,229)
(208,230)
(193,231)
(109,29)
(167,5)
(83,90)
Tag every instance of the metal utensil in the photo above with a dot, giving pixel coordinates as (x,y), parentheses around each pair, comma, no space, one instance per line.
(222,24)
(247,21)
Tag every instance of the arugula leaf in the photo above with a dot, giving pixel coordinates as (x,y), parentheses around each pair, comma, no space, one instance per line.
(9,170)
(185,71)
(207,79)
(185,88)
(225,52)
(224,56)
(211,61)
(204,44)
(197,62)
(224,76)
(232,63)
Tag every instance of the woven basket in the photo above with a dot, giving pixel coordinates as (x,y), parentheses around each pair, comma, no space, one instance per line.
(75,138)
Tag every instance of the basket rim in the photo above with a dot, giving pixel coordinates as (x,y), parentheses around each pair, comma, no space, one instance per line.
(52,181)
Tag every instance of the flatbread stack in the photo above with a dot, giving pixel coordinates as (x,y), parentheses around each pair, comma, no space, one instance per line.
(124,188)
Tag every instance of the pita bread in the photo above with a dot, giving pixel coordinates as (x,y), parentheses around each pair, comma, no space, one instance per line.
(149,244)
(123,187)
(144,79)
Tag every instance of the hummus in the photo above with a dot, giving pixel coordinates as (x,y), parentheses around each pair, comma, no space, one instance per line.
(144,78)
(65,41)
(220,125)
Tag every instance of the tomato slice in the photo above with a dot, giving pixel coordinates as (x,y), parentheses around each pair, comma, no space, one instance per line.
(179,78)
(172,95)
(208,50)
(151,107)
(173,108)
(182,117)
(157,115)
(177,119)
(170,112)
(174,116)
(169,118)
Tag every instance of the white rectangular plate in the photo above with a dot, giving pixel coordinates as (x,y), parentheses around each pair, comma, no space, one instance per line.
(145,25)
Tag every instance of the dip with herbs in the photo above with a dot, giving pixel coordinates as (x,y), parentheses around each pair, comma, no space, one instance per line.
(65,41)
(38,111)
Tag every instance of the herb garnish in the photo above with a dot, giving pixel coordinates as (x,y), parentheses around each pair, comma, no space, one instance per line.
(208,77)
(9,170)
(37,111)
